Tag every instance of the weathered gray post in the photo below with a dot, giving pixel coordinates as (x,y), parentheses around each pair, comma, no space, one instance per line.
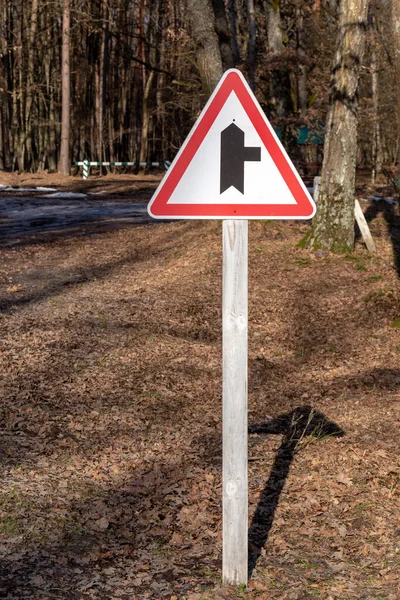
(234,333)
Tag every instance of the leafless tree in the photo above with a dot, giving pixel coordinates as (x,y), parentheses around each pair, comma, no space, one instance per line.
(65,165)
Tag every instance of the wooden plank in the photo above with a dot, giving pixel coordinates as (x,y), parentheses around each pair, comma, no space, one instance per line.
(363,225)
(234,327)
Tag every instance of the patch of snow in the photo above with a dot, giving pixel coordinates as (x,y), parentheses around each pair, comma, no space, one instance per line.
(65,195)
(97,193)
(9,188)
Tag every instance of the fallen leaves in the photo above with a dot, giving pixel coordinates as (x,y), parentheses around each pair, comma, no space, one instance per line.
(99,525)
(111,420)
(344,479)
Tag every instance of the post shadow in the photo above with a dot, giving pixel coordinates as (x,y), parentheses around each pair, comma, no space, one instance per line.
(294,426)
(392,222)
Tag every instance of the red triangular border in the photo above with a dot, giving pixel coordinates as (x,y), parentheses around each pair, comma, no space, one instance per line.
(159,207)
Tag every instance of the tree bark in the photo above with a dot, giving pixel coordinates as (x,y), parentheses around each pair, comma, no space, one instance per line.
(205,39)
(333,225)
(376,137)
(280,84)
(222,30)
(395,18)
(2,153)
(3,87)
(251,50)
(101,82)
(64,166)
(17,120)
(233,30)
(144,142)
(30,83)
(301,57)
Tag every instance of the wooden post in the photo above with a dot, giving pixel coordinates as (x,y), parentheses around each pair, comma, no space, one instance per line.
(363,225)
(234,331)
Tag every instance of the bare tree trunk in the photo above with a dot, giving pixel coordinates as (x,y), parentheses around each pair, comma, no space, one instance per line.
(30,82)
(395,14)
(51,149)
(2,153)
(111,135)
(3,87)
(301,56)
(233,28)
(280,84)
(18,128)
(251,50)
(205,39)
(64,166)
(274,28)
(144,142)
(222,29)
(101,80)
(376,137)
(5,99)
(98,111)
(333,225)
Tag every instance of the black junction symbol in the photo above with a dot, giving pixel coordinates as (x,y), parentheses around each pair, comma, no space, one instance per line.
(233,156)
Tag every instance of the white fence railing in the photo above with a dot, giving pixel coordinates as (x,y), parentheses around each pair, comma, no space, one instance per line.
(86,164)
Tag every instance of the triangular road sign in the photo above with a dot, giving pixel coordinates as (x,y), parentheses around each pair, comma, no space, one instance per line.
(232,165)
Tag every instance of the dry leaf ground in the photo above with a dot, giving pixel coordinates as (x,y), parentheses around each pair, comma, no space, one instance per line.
(111,417)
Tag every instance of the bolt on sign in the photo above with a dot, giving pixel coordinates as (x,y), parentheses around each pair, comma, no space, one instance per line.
(233,167)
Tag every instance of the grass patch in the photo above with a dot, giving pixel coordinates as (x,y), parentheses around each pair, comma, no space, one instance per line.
(380,293)
(303,262)
(258,249)
(307,564)
(13,508)
(150,394)
(240,591)
(360,266)
(10,525)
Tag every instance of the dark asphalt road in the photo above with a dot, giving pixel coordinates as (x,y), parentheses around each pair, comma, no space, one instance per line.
(26,217)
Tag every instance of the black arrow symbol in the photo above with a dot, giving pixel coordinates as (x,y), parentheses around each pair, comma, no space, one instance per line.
(233,156)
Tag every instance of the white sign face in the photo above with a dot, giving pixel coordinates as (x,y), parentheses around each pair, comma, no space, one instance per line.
(232,165)
(263,182)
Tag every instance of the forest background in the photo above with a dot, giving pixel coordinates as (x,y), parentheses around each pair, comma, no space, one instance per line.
(137,76)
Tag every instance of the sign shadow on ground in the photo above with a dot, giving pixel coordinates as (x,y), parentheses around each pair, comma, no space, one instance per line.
(295,426)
